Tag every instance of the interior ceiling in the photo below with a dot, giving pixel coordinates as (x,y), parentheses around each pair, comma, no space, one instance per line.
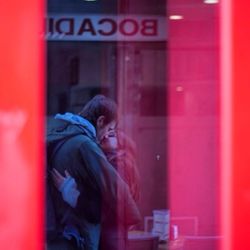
(192,9)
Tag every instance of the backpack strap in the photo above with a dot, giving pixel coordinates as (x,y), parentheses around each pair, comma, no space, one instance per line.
(51,220)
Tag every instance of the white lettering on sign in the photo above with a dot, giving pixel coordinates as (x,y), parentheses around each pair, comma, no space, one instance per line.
(105,28)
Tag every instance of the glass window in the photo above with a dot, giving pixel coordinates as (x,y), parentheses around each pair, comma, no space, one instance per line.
(159,61)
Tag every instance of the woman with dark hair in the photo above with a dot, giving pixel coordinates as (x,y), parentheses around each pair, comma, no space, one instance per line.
(121,153)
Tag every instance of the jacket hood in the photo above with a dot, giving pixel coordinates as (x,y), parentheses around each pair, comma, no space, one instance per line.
(67,125)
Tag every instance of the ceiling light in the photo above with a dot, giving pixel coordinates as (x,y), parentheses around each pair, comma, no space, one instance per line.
(211,1)
(175,17)
(179,88)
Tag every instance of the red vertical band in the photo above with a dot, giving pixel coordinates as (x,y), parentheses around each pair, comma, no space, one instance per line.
(235,186)
(241,124)
(21,124)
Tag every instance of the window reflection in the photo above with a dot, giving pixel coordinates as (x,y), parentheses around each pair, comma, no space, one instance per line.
(163,74)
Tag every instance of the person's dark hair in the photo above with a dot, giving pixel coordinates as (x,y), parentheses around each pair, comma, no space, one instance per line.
(99,105)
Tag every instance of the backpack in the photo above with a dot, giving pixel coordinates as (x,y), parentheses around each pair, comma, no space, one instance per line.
(52,224)
(51,220)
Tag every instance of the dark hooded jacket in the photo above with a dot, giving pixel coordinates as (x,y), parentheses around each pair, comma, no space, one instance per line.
(103,192)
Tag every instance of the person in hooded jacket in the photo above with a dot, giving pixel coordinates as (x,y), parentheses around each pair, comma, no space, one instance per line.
(120,151)
(99,184)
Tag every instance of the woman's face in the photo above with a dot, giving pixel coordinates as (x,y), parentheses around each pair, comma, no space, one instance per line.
(102,128)
(109,141)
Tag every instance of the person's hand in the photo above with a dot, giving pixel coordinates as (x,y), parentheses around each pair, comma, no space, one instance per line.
(67,186)
(59,179)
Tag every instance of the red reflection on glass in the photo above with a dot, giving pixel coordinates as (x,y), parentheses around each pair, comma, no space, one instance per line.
(193,131)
